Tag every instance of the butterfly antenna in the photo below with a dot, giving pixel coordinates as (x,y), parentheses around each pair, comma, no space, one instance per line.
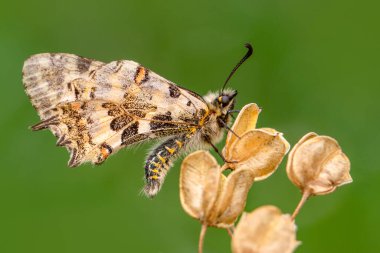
(245,57)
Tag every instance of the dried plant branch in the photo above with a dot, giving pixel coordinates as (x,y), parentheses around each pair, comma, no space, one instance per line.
(230,231)
(202,238)
(316,165)
(305,196)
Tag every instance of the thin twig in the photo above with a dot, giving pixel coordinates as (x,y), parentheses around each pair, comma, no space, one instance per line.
(305,196)
(230,231)
(202,237)
(225,167)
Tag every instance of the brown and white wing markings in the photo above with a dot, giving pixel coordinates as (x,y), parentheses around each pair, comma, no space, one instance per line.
(95,109)
(48,79)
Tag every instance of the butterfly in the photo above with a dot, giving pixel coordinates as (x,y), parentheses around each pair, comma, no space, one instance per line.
(96,109)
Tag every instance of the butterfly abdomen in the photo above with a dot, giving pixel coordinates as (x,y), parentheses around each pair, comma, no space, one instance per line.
(160,161)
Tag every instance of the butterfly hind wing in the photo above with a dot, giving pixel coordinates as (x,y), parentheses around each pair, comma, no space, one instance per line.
(48,79)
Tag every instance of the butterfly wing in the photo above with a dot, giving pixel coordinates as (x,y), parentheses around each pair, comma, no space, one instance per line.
(48,79)
(95,108)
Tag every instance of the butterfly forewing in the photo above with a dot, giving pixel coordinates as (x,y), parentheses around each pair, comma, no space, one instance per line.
(95,108)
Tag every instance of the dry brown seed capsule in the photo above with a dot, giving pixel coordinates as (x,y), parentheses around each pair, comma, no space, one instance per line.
(318,165)
(199,184)
(267,230)
(209,196)
(245,121)
(260,150)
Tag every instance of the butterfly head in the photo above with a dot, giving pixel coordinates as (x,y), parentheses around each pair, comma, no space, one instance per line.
(222,103)
(225,101)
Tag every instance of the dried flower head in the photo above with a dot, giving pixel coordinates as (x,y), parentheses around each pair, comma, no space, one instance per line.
(260,150)
(267,230)
(208,195)
(318,165)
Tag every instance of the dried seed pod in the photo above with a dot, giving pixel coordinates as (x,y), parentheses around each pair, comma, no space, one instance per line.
(317,165)
(260,150)
(209,196)
(199,184)
(267,230)
(245,121)
(233,196)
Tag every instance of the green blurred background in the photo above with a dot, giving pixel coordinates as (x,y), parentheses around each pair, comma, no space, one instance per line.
(315,68)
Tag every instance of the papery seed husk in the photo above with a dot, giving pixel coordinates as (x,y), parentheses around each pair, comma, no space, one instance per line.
(267,230)
(245,121)
(233,197)
(199,184)
(318,165)
(260,150)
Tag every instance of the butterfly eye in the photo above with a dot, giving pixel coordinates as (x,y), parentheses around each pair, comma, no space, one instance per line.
(225,100)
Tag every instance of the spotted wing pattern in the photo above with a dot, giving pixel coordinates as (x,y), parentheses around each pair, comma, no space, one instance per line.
(95,109)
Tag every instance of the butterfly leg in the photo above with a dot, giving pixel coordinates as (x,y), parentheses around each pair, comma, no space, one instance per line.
(218,152)
(160,161)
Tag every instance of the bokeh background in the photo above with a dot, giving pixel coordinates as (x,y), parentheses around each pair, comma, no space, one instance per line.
(315,68)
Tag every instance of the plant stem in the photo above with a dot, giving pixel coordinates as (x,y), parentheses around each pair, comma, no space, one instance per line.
(305,196)
(224,167)
(201,238)
(230,231)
